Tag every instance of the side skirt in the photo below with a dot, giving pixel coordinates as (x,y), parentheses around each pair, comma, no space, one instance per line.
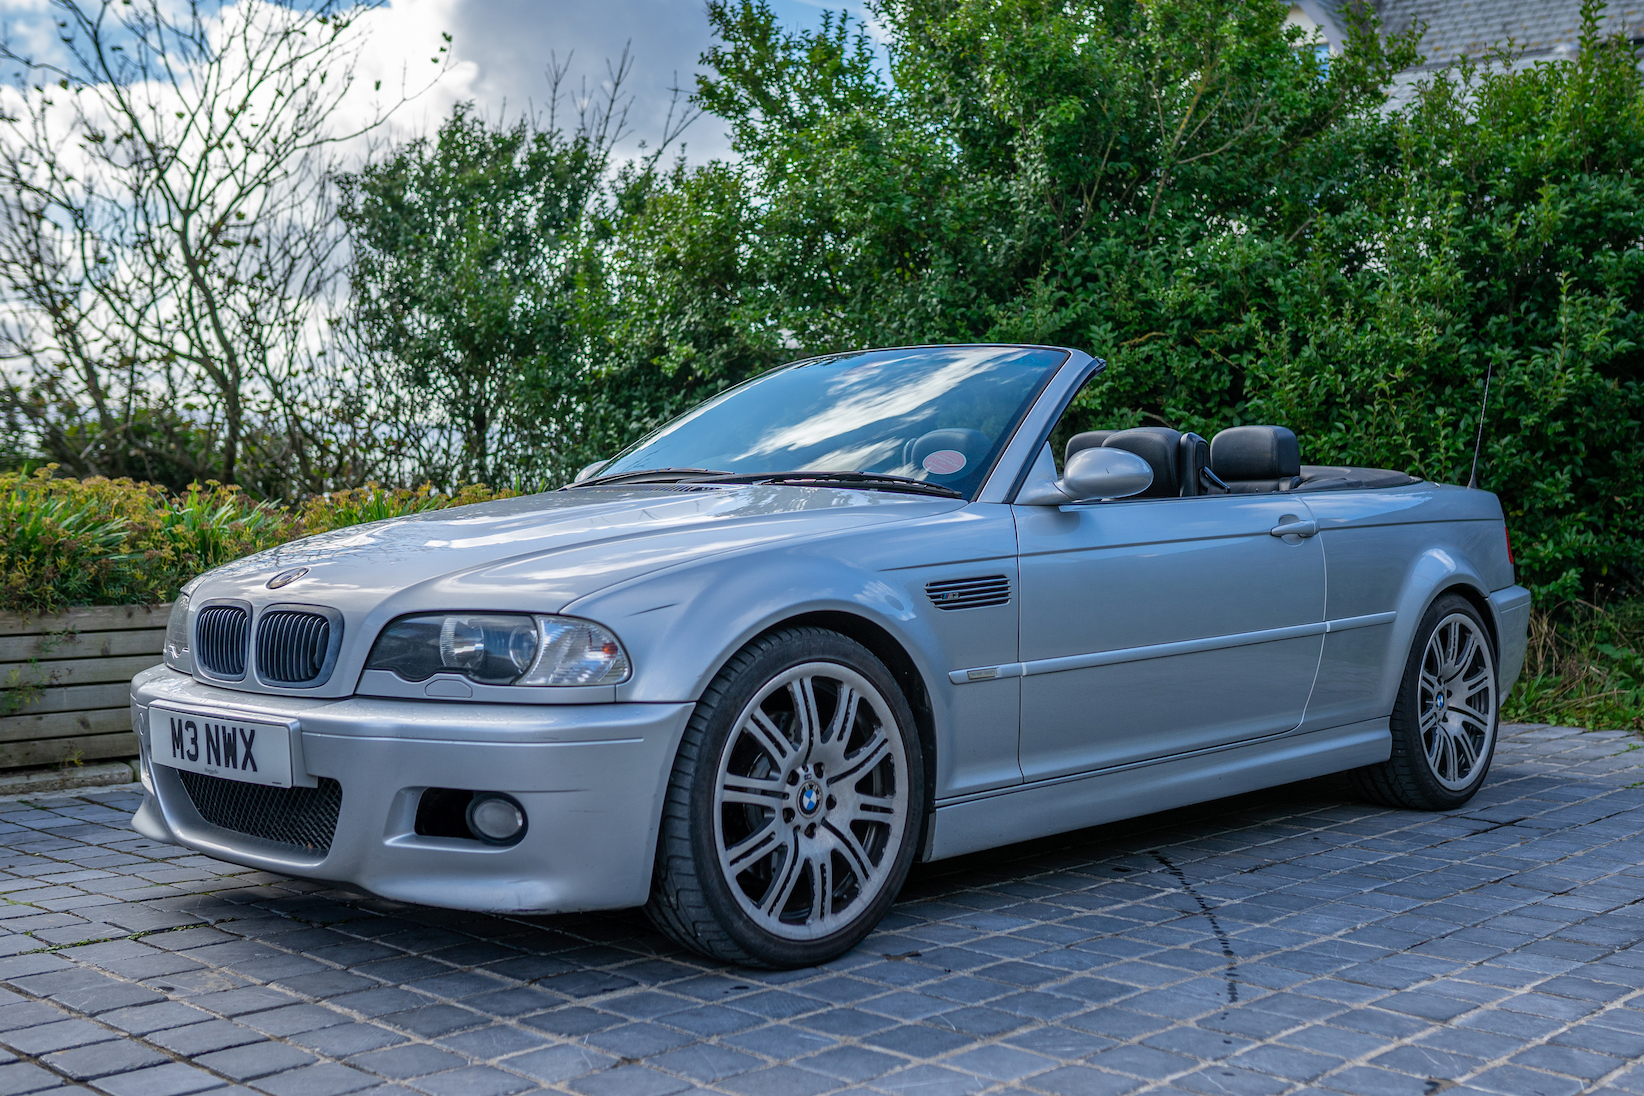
(1071,803)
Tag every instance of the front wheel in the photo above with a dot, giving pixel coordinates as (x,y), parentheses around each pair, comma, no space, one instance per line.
(794,806)
(1444,723)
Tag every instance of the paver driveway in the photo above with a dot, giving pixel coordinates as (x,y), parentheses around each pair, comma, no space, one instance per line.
(1289,941)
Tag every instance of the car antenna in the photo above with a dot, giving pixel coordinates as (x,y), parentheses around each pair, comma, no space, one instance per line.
(1484,406)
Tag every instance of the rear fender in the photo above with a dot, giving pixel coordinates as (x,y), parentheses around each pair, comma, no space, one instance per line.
(1435,572)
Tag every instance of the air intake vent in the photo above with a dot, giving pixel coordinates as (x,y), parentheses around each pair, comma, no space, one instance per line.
(969,593)
(300,818)
(220,636)
(293,648)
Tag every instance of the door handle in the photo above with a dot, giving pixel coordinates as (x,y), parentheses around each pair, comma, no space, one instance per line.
(1295,529)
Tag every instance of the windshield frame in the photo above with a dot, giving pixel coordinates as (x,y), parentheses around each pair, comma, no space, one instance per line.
(1024,411)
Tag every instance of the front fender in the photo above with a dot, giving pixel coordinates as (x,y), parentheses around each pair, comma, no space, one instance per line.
(681,628)
(683,625)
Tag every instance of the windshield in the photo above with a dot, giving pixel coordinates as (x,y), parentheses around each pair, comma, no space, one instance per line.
(937,414)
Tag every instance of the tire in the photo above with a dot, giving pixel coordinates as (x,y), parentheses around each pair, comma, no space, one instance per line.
(1445,721)
(794,808)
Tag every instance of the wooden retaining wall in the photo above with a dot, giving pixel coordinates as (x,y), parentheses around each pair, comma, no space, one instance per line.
(65,681)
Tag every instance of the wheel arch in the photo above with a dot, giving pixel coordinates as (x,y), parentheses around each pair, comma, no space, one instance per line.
(1478,600)
(1431,575)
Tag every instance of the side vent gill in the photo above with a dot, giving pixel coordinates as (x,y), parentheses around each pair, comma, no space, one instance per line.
(969,593)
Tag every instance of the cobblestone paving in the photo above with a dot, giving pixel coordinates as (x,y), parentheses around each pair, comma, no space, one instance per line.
(1291,941)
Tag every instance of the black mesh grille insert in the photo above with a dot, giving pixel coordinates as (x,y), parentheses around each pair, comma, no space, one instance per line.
(220,636)
(969,593)
(303,818)
(291,647)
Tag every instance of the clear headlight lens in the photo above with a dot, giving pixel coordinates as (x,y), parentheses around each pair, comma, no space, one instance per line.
(176,653)
(576,652)
(501,649)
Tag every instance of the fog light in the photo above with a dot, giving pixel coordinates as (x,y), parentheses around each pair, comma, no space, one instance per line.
(496,818)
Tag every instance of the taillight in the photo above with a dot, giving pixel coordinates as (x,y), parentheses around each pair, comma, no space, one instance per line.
(1509,537)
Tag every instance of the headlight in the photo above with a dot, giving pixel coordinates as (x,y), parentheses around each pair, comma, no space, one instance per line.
(501,649)
(176,653)
(576,652)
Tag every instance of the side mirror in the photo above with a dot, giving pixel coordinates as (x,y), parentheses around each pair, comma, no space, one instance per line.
(1092,474)
(588,470)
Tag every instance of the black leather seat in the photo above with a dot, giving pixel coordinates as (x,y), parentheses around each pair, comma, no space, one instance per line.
(1161,447)
(1256,459)
(1090,439)
(1193,460)
(1149,443)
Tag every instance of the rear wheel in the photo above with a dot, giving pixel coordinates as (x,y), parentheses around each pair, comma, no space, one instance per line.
(794,805)
(1444,723)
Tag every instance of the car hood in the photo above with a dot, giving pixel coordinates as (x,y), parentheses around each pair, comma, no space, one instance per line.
(541,552)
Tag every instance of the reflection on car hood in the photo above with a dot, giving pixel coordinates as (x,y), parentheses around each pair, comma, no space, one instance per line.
(551,548)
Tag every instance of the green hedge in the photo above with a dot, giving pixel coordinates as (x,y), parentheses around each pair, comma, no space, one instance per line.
(98,541)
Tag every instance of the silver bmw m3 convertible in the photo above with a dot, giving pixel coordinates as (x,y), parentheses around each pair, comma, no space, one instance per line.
(864,609)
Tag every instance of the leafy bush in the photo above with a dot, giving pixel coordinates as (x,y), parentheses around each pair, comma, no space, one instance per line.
(1183,188)
(377,503)
(118,542)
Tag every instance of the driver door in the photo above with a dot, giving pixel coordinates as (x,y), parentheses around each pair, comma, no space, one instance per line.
(1155,627)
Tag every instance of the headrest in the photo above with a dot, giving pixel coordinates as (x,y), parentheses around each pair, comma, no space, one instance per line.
(1255,453)
(944,453)
(1161,448)
(1090,439)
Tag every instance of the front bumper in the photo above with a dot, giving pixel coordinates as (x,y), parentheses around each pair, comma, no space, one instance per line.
(590,777)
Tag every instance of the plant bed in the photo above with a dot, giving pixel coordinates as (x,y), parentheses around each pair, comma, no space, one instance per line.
(65,682)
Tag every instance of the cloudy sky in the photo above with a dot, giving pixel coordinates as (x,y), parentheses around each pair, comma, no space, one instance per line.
(508,41)
(501,51)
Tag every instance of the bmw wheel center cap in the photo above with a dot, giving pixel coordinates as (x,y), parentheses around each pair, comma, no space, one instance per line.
(810,799)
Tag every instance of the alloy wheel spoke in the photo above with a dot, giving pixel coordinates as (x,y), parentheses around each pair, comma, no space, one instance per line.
(1466,752)
(864,760)
(1447,646)
(777,745)
(844,715)
(755,847)
(1476,683)
(821,889)
(867,808)
(806,721)
(782,886)
(1430,685)
(1470,714)
(845,839)
(1435,748)
(1464,659)
(753,791)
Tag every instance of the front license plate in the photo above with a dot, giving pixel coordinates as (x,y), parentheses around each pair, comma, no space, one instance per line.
(219,744)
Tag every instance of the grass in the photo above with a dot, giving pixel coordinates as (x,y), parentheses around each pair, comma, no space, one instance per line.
(1584,668)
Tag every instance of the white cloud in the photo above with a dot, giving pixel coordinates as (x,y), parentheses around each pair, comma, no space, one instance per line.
(501,49)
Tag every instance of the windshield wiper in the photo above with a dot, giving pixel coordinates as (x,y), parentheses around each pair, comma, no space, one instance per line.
(866,481)
(649,475)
